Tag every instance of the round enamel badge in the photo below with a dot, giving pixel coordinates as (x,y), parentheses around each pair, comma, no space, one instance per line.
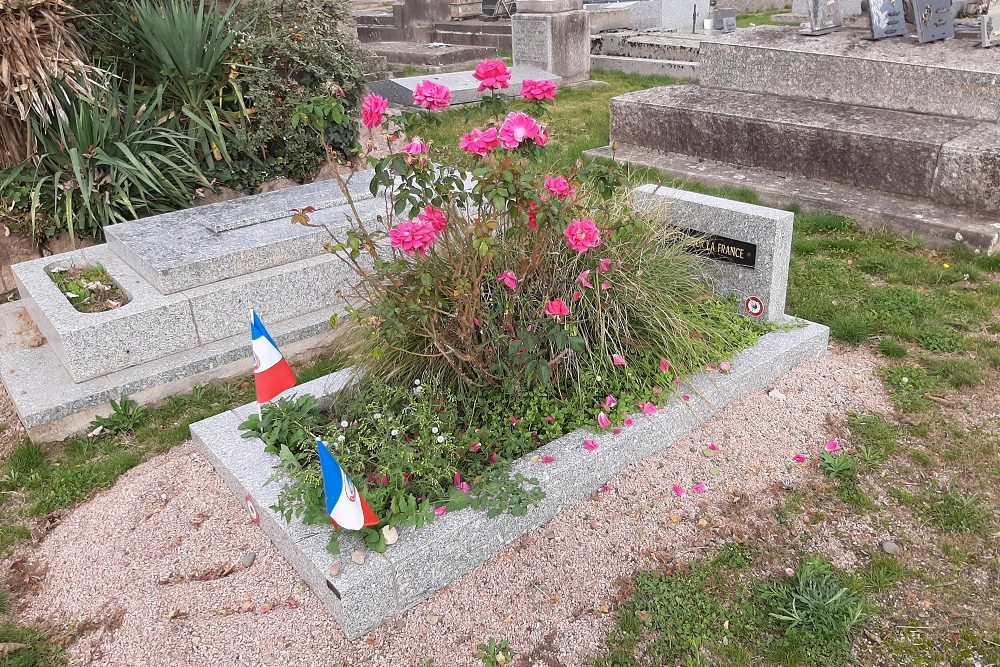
(754,306)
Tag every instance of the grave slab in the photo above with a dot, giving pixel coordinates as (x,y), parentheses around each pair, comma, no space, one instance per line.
(750,246)
(886,150)
(205,244)
(557,42)
(950,79)
(52,405)
(150,325)
(363,596)
(938,225)
(462,85)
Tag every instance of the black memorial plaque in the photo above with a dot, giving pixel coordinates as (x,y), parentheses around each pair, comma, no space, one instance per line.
(886,18)
(721,248)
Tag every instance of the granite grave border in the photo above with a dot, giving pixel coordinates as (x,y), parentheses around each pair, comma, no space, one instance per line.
(362,596)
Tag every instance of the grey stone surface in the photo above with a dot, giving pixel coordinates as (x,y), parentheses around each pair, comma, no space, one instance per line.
(949,79)
(768,228)
(462,85)
(886,19)
(680,69)
(52,405)
(199,246)
(150,326)
(556,42)
(412,53)
(847,7)
(890,151)
(222,309)
(609,16)
(939,226)
(683,15)
(934,19)
(548,6)
(645,44)
(824,15)
(364,595)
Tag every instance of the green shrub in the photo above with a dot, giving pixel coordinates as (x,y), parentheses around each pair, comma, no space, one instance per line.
(106,160)
(292,51)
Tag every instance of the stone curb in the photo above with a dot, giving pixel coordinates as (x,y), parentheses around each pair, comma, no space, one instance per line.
(363,596)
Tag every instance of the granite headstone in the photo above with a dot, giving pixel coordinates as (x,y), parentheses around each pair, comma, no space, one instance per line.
(824,17)
(934,19)
(886,18)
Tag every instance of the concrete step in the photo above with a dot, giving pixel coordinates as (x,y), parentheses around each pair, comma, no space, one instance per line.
(947,160)
(411,53)
(485,39)
(631,44)
(681,69)
(939,226)
(950,79)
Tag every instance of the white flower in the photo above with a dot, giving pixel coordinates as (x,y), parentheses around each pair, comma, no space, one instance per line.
(340,438)
(417,390)
(416,382)
(434,429)
(343,424)
(598,378)
(440,438)
(377,415)
(394,432)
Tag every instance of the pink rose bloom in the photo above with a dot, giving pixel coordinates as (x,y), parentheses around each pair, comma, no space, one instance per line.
(431,95)
(517,128)
(415,147)
(609,402)
(479,142)
(538,90)
(664,365)
(582,235)
(412,237)
(372,110)
(559,186)
(556,308)
(492,75)
(648,408)
(508,278)
(603,421)
(435,217)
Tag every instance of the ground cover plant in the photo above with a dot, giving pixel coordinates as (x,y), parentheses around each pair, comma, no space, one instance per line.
(504,306)
(89,288)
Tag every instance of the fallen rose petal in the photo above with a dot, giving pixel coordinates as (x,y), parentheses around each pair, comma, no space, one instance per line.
(604,266)
(832,446)
(616,430)
(664,365)
(609,402)
(494,458)
(649,408)
(699,488)
(550,418)
(465,487)
(618,360)
(603,421)
(714,447)
(590,444)
(440,510)
(686,397)
(548,458)
(725,366)
(679,490)
(628,421)
(605,488)
(474,447)
(799,458)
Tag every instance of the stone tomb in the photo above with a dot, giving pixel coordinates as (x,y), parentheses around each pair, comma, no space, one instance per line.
(552,35)
(192,277)
(362,596)
(463,85)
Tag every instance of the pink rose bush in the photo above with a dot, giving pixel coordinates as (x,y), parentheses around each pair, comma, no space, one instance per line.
(373,110)
(492,75)
(582,235)
(538,91)
(431,95)
(480,142)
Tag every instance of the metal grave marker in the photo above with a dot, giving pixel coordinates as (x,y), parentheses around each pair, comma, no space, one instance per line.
(935,20)
(824,17)
(886,18)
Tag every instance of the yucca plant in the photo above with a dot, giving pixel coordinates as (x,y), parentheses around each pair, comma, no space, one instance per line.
(107,161)
(181,51)
(40,50)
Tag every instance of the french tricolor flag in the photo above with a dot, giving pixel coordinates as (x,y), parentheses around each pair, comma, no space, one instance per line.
(271,372)
(344,504)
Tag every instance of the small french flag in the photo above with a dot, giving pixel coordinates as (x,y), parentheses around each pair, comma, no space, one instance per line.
(344,504)
(271,372)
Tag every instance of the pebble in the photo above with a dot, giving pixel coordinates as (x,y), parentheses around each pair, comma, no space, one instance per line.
(335,569)
(248,559)
(391,535)
(776,395)
(890,547)
(358,556)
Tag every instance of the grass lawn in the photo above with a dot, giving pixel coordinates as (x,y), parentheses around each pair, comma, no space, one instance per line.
(927,475)
(763,18)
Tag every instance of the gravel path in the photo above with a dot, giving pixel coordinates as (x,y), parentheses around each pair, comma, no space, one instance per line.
(128,565)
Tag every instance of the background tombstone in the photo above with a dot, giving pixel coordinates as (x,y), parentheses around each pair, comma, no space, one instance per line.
(824,17)
(553,35)
(934,20)
(886,18)
(990,26)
